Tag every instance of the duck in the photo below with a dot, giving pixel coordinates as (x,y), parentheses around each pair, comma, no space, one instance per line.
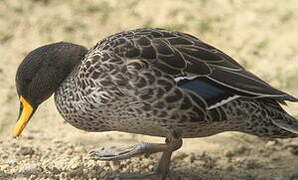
(154,82)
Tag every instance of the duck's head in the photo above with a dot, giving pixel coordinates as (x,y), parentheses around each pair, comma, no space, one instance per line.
(40,74)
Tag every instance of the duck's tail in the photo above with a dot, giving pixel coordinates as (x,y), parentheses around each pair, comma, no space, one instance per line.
(287,122)
(283,120)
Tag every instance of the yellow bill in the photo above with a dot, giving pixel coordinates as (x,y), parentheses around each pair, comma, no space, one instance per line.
(26,113)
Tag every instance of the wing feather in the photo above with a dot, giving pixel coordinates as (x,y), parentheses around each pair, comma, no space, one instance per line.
(180,54)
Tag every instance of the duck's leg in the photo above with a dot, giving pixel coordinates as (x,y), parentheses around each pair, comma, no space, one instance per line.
(173,143)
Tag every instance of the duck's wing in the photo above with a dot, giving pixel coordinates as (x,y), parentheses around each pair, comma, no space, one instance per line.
(193,64)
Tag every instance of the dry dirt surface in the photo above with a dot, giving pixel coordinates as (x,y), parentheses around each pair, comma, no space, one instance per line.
(261,35)
(39,155)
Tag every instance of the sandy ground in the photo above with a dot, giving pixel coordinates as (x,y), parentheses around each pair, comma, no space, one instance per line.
(261,35)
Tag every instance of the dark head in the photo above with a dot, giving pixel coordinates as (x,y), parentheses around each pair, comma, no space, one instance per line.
(41,73)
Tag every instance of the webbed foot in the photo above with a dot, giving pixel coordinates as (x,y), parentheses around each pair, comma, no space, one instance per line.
(127,152)
(173,143)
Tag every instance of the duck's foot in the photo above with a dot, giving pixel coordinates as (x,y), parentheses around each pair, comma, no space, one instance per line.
(173,143)
(127,152)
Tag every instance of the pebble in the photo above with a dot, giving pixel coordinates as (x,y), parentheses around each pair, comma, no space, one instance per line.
(55,170)
(26,151)
(4,156)
(30,137)
(32,170)
(190,158)
(68,151)
(33,177)
(271,143)
(4,167)
(11,161)
(76,173)
(115,165)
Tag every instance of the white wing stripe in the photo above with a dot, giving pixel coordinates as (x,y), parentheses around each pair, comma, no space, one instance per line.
(177,79)
(222,102)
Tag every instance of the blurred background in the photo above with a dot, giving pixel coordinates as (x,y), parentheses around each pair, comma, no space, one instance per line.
(260,35)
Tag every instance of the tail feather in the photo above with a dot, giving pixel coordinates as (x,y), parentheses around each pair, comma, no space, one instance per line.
(287,123)
(280,117)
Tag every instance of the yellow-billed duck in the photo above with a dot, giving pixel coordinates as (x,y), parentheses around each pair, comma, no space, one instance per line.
(155,82)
